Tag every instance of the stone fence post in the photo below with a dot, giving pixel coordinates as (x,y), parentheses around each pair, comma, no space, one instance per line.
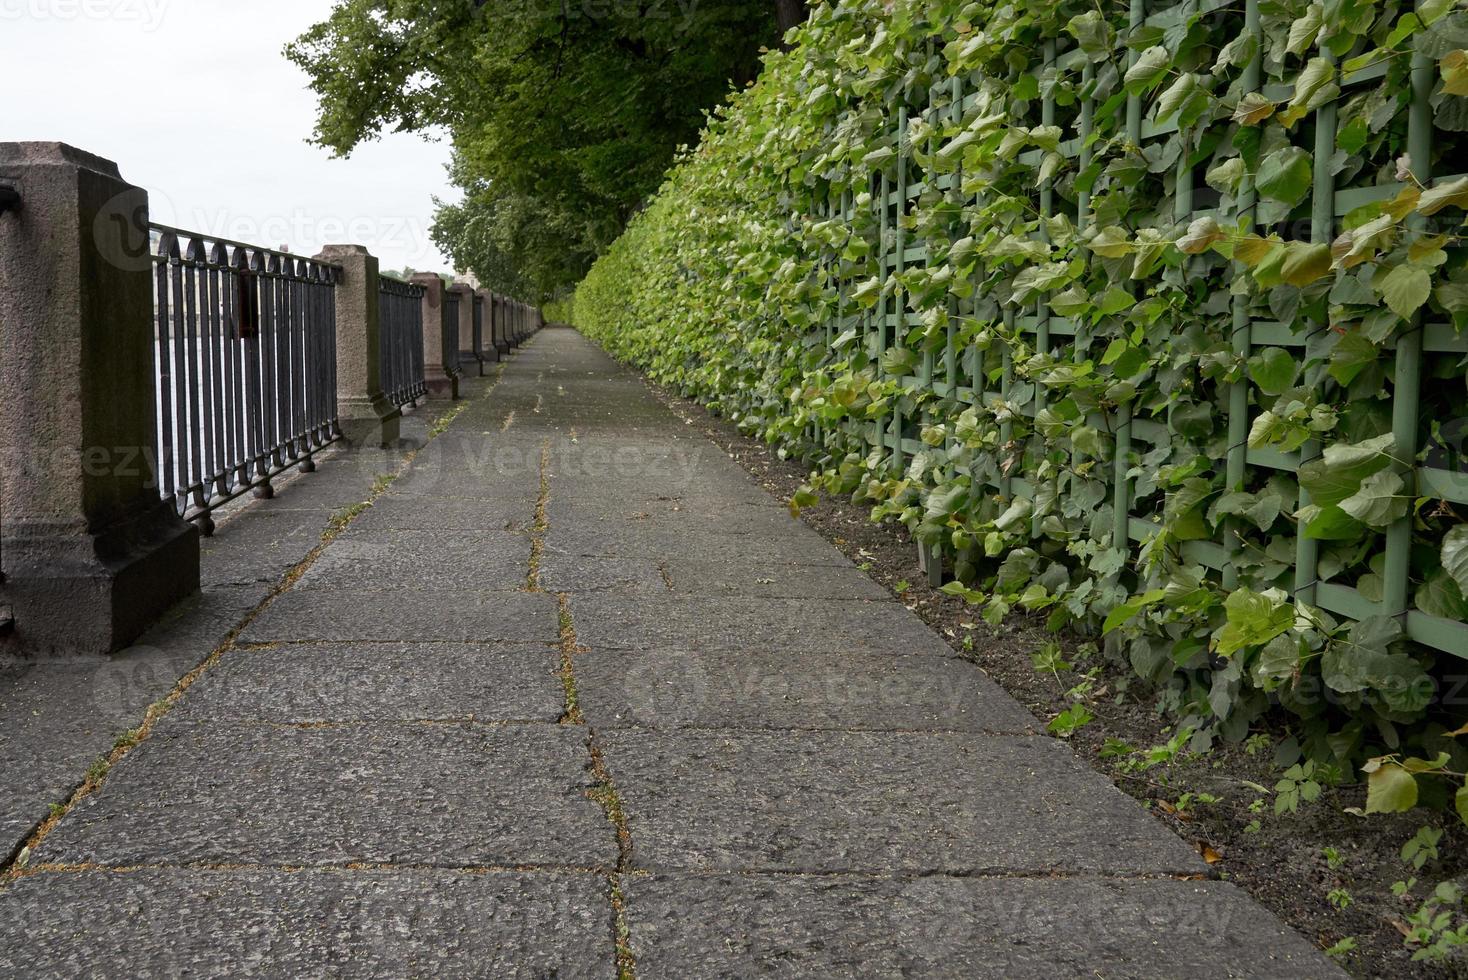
(91,553)
(491,326)
(440,339)
(468,362)
(367,417)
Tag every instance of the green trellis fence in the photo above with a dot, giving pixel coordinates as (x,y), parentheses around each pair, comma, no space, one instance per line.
(1426,354)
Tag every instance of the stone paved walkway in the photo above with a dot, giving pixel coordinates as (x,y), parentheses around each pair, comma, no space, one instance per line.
(573,696)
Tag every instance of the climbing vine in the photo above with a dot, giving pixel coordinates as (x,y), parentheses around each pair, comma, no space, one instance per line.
(1148,375)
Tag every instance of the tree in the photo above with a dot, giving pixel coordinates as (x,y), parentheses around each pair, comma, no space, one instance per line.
(564,114)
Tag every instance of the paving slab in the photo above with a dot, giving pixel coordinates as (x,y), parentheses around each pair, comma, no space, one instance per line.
(633,540)
(340,480)
(261,546)
(59,717)
(878,802)
(265,923)
(441,795)
(686,927)
(427,560)
(560,572)
(306,615)
(794,626)
(734,507)
(752,689)
(663,514)
(405,512)
(330,682)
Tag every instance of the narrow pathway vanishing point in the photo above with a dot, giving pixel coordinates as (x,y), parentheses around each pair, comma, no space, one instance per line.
(575,697)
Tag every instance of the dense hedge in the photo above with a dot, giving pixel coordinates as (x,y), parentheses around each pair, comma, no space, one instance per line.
(760,282)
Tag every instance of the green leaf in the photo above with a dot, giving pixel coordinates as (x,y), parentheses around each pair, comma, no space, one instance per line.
(1304,28)
(1253,109)
(1071,302)
(1176,95)
(1202,233)
(1111,242)
(1452,194)
(1329,523)
(1460,801)
(1273,369)
(1367,659)
(868,292)
(1225,175)
(1352,354)
(1340,470)
(1016,514)
(1254,618)
(1379,502)
(1093,34)
(1405,288)
(1455,555)
(1390,789)
(1304,263)
(1261,509)
(1127,610)
(1279,660)
(802,498)
(1151,65)
(1440,596)
(1454,67)
(899,361)
(1314,86)
(1285,175)
(1114,300)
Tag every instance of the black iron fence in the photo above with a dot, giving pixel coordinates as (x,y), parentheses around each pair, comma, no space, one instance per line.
(401,345)
(497,317)
(479,329)
(245,361)
(448,350)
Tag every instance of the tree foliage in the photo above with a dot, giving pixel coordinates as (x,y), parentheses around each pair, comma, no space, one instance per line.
(564,114)
(763,281)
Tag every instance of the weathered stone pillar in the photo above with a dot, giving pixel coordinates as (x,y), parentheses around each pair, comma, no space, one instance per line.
(368,418)
(490,327)
(501,326)
(91,553)
(440,366)
(468,361)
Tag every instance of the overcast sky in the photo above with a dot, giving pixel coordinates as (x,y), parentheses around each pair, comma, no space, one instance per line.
(194,101)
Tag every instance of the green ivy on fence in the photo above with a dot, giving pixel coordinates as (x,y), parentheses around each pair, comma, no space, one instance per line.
(1148,320)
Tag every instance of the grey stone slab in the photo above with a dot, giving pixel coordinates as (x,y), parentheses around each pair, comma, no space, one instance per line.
(691,927)
(633,540)
(445,795)
(478,465)
(404,512)
(879,802)
(738,506)
(772,580)
(345,479)
(260,546)
(575,573)
(638,462)
(452,560)
(305,615)
(677,517)
(170,923)
(57,718)
(795,626)
(380,681)
(751,689)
